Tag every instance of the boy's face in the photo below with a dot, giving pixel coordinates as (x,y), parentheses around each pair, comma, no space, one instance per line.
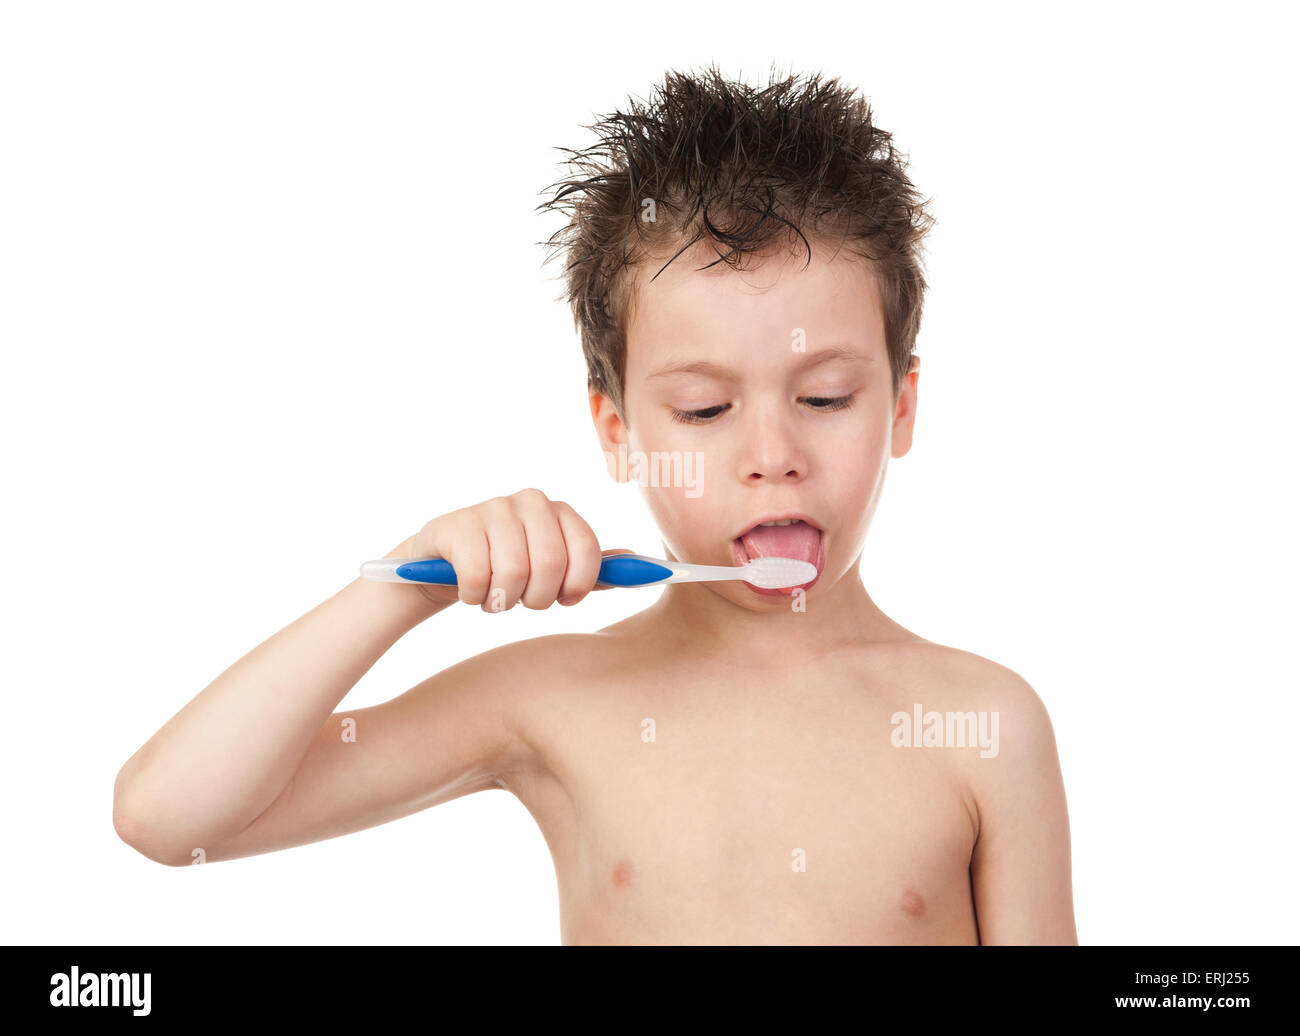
(775,380)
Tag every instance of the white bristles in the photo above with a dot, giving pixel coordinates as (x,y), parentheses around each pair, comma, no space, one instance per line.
(778,573)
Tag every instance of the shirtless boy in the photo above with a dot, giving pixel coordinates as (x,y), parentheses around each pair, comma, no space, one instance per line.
(728,765)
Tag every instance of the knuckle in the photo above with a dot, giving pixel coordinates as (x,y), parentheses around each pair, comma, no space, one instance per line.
(550,563)
(587,547)
(473,586)
(510,572)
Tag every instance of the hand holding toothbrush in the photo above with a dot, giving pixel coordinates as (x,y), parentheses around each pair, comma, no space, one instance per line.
(523,548)
(528,548)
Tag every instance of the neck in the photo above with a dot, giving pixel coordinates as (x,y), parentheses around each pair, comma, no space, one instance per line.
(842,614)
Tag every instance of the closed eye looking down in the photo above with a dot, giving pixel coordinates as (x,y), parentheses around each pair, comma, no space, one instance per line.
(824,404)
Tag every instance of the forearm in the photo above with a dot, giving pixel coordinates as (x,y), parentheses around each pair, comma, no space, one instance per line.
(230,752)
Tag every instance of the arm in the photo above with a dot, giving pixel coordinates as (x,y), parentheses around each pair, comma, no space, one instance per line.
(448,736)
(231,751)
(258,760)
(1020,866)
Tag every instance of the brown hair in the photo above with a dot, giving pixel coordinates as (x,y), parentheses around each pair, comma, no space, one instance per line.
(719,160)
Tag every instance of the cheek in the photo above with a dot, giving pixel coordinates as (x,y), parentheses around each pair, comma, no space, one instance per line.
(685,520)
(855,457)
(661,434)
(679,479)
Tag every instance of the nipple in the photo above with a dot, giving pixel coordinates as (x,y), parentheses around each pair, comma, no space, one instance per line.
(912,904)
(622,874)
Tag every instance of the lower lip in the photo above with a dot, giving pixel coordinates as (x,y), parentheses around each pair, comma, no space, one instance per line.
(738,553)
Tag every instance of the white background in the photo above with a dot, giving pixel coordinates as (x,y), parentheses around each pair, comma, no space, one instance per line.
(272,297)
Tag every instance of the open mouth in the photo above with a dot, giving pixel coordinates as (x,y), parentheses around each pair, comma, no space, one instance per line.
(793,536)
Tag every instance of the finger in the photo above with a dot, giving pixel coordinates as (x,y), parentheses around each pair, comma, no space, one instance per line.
(547,554)
(507,557)
(468,553)
(584,555)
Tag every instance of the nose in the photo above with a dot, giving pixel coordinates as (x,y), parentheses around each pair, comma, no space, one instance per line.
(771,453)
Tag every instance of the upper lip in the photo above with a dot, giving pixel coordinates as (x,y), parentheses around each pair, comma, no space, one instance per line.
(778,518)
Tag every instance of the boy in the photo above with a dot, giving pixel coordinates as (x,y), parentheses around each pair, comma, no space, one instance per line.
(730,765)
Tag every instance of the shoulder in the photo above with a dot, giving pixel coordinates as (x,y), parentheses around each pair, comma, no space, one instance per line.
(527,681)
(1017,769)
(540,678)
(969,692)
(543,658)
(520,680)
(961,679)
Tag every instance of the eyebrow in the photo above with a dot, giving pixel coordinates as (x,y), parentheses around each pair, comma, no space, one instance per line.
(714,370)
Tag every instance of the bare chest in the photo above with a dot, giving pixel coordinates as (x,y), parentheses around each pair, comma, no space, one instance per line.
(735,813)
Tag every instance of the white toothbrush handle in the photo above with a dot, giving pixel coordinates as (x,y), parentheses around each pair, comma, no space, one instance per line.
(683,573)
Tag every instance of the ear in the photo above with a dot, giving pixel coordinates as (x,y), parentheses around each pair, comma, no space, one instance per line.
(611,431)
(905,410)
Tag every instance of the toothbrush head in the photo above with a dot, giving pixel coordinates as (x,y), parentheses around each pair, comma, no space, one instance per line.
(779,573)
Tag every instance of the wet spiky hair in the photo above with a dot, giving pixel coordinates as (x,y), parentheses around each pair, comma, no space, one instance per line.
(740,167)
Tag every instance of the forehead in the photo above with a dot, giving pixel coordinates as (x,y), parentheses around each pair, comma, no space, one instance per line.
(726,314)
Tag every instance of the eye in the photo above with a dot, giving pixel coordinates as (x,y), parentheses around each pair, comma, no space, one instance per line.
(699,416)
(828,403)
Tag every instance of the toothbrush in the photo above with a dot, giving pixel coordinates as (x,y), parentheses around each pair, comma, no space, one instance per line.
(616,570)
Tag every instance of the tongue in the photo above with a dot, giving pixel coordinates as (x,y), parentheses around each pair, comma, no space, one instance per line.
(799,541)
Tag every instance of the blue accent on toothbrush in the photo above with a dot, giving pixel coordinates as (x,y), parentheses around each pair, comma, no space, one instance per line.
(621,570)
(615,570)
(432,570)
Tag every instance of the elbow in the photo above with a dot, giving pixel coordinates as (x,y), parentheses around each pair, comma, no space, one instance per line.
(131,822)
(136,836)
